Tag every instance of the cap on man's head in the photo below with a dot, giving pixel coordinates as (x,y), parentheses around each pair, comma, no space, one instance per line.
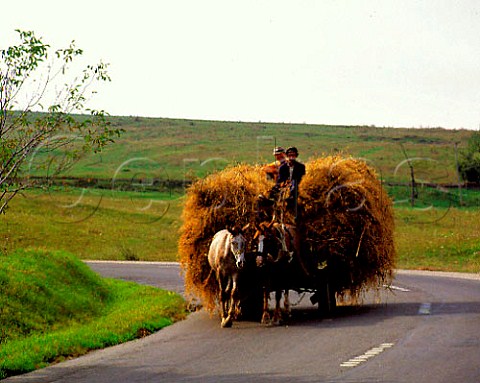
(278,150)
(292,149)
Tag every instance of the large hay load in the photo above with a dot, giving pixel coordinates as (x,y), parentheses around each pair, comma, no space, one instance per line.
(223,199)
(346,224)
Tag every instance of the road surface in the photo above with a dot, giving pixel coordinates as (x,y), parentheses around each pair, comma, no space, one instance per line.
(426,328)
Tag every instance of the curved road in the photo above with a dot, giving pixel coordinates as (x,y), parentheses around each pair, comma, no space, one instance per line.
(425,329)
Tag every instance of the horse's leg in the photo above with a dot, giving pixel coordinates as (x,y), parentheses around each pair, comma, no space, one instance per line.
(232,299)
(265,315)
(223,296)
(228,292)
(277,315)
(236,299)
(286,305)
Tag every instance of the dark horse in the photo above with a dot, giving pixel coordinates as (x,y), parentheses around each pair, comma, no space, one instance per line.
(276,258)
(226,256)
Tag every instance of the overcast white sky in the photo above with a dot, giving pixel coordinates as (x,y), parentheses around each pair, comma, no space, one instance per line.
(385,63)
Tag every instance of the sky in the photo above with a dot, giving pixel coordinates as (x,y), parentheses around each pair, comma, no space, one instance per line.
(383,63)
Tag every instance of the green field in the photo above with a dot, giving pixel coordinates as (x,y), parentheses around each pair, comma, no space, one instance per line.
(144,226)
(179,150)
(126,202)
(95,224)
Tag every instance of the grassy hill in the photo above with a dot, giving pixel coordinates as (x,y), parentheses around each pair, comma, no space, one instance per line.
(53,306)
(179,150)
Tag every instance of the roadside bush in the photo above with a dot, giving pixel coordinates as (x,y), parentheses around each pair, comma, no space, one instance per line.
(469,162)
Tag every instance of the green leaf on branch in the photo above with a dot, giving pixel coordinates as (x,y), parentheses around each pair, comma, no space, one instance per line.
(24,133)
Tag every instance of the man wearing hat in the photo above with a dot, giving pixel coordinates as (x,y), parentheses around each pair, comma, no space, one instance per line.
(291,173)
(280,158)
(291,170)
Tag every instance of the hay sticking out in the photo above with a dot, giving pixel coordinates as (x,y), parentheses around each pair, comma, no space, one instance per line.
(346,222)
(226,198)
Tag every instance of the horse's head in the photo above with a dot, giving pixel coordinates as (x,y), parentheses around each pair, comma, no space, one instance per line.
(237,246)
(272,244)
(266,241)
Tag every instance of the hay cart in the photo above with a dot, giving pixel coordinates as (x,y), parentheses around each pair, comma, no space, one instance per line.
(306,272)
(346,229)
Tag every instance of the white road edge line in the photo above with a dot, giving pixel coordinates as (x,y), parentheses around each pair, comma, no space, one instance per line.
(159,263)
(443,274)
(446,274)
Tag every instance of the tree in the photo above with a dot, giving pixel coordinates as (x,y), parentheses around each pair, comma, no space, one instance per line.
(29,78)
(469,163)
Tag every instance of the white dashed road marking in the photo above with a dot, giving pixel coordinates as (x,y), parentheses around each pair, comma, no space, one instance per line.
(354,362)
(396,288)
(425,309)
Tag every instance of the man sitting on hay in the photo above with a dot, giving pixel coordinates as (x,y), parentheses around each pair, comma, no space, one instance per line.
(272,168)
(289,177)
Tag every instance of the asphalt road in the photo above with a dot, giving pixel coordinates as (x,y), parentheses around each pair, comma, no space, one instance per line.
(425,329)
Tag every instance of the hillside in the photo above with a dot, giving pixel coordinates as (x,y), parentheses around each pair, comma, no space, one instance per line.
(175,151)
(53,306)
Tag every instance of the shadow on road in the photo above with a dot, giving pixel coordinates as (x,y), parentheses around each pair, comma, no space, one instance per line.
(369,314)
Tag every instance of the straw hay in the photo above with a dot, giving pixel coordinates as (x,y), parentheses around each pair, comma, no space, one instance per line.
(346,222)
(226,198)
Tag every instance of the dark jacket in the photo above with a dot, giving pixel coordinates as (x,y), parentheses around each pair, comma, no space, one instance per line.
(297,174)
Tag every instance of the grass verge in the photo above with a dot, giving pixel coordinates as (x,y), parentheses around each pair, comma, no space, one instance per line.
(438,239)
(84,311)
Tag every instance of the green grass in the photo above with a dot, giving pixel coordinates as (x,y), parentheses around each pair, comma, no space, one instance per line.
(434,234)
(53,306)
(438,239)
(95,224)
(434,197)
(170,149)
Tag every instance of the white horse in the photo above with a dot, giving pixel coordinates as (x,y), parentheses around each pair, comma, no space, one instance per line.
(226,256)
